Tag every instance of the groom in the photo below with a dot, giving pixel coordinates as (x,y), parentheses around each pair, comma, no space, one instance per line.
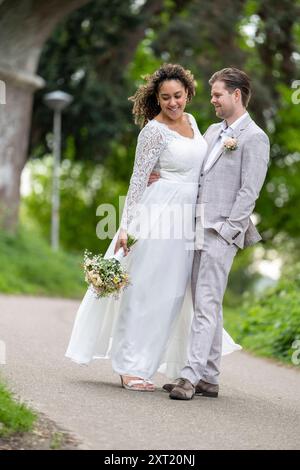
(231,178)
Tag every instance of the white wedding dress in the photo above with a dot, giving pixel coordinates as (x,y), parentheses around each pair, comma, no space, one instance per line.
(146,330)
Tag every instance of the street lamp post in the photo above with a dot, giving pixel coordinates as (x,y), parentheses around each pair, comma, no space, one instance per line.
(57,101)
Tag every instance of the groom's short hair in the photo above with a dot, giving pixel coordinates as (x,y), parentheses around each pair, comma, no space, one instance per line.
(233,79)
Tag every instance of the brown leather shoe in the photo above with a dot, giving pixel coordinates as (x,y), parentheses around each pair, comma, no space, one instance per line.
(206,389)
(183,390)
(202,388)
(169,387)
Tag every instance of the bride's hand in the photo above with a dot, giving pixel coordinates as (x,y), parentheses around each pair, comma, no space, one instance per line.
(122,242)
(154,176)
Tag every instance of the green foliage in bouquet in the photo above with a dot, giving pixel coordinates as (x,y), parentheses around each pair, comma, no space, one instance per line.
(106,276)
(130,240)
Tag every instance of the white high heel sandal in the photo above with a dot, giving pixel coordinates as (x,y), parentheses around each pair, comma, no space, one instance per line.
(132,385)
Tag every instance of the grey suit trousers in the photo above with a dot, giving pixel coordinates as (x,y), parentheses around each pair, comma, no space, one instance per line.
(211,268)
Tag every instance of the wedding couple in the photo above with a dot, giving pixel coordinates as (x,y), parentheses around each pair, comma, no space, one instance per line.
(170,318)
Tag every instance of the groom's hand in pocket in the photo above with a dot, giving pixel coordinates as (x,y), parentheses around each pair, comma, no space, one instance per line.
(154,176)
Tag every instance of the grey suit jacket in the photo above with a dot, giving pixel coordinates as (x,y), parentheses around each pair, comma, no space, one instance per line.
(229,188)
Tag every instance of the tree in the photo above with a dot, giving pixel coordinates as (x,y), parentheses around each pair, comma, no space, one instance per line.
(24,27)
(89,56)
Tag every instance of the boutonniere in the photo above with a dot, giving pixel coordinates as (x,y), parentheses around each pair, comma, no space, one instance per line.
(230,144)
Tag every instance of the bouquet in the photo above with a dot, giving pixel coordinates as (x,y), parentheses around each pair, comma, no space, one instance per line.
(106,276)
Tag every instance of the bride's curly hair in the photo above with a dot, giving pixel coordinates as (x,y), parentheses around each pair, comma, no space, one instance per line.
(145,106)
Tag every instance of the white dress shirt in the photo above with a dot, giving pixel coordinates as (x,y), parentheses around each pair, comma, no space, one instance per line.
(225,133)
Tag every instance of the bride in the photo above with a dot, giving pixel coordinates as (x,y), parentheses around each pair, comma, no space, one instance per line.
(146,330)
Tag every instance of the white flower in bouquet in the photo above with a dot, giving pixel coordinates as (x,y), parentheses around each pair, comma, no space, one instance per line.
(106,276)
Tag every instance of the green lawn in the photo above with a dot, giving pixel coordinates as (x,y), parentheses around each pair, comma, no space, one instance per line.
(28,266)
(14,417)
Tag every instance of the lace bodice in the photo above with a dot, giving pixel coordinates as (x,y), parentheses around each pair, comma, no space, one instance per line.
(176,157)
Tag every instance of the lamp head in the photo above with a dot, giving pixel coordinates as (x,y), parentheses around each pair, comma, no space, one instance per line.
(58,100)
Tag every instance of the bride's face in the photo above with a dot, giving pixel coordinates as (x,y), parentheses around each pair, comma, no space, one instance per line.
(172,98)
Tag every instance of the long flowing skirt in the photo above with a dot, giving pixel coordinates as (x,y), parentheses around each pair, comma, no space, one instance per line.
(146,330)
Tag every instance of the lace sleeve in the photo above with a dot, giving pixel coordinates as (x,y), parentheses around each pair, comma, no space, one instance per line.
(150,145)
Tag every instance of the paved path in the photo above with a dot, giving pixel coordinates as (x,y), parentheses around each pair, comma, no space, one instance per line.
(258,407)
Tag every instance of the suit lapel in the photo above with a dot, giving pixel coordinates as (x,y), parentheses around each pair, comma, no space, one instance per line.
(236,133)
(243,125)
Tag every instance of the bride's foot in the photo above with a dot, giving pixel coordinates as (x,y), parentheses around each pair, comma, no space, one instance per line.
(137,384)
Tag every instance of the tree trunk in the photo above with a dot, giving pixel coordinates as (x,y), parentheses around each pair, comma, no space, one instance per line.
(24,27)
(14,129)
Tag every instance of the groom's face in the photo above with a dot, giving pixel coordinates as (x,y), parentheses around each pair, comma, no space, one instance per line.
(223,100)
